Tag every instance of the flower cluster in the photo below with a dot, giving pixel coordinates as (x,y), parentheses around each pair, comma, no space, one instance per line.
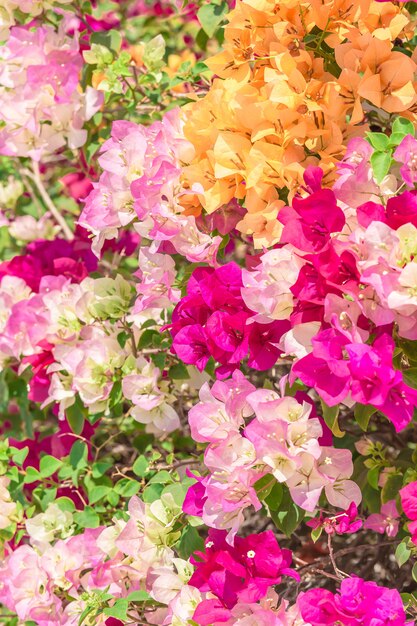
(119,559)
(239,574)
(42,109)
(65,326)
(208,313)
(290,87)
(141,182)
(409,503)
(212,320)
(359,602)
(284,439)
(335,282)
(31,8)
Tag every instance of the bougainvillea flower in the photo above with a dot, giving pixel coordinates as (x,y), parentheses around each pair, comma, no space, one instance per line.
(310,221)
(358,602)
(242,572)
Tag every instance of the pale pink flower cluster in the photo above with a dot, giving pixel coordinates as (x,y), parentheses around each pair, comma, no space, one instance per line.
(267,288)
(31,8)
(86,368)
(52,580)
(25,228)
(356,184)
(140,183)
(270,611)
(282,439)
(64,332)
(53,316)
(42,108)
(386,260)
(150,397)
(155,287)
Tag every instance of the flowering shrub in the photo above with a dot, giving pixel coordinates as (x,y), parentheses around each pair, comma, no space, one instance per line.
(208,313)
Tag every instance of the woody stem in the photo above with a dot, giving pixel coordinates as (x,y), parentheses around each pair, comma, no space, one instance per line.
(35,176)
(332,559)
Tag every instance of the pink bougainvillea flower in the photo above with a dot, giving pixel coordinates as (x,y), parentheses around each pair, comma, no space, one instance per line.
(408,495)
(340,524)
(387,521)
(358,603)
(406,153)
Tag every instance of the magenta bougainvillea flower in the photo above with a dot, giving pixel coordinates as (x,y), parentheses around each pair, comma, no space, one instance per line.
(358,602)
(309,223)
(242,573)
(342,523)
(208,312)
(212,320)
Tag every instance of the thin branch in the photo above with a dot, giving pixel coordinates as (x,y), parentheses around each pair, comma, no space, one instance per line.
(32,195)
(35,176)
(332,559)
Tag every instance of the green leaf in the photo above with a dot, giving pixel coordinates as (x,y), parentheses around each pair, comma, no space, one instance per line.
(289,516)
(264,485)
(32,475)
(113,498)
(274,498)
(178,372)
(4,392)
(410,377)
(402,553)
(189,543)
(98,55)
(110,39)
(98,493)
(126,487)
(316,533)
(141,466)
(380,162)
(211,16)
(75,416)
(78,455)
(159,360)
(116,394)
(162,477)
(49,465)
(150,338)
(20,456)
(45,496)
(177,491)
(403,126)
(154,53)
(65,504)
(363,414)
(379,141)
(414,572)
(373,477)
(91,150)
(202,39)
(396,138)
(87,518)
(391,488)
(152,493)
(118,610)
(410,349)
(138,596)
(330,415)
(100,468)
